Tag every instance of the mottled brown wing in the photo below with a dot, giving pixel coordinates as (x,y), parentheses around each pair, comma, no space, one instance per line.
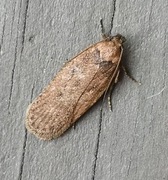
(95,88)
(74,89)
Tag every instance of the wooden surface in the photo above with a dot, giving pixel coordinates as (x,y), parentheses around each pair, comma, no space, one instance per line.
(130,143)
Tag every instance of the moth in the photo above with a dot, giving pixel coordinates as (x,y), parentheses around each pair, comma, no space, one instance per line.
(76,87)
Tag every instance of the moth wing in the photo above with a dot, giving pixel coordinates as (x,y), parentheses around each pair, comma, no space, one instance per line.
(52,112)
(75,88)
(95,88)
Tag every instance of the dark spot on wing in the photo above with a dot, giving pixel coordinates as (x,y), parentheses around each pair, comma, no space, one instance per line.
(105,65)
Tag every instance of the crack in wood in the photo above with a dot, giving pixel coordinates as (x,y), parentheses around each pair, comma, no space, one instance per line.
(100,121)
(12,78)
(97,145)
(24,25)
(15,57)
(3,31)
(23,156)
(25,142)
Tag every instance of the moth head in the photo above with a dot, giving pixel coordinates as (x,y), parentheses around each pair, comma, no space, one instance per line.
(119,38)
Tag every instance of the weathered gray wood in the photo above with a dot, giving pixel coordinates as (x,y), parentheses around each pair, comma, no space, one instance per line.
(13,99)
(36,38)
(134,138)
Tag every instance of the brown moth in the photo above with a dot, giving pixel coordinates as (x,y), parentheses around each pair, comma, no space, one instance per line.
(76,87)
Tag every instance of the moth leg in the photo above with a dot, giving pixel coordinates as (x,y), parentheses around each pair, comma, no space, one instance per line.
(104,96)
(117,75)
(111,90)
(110,96)
(128,75)
(104,35)
(74,126)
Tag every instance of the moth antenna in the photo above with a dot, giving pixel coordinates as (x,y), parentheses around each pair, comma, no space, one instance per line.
(104,35)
